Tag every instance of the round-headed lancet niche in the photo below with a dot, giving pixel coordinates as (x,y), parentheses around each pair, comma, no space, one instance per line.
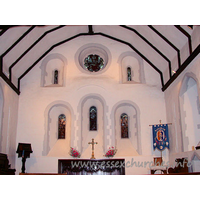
(93,63)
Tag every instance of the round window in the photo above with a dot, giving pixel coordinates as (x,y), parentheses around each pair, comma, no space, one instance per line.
(93,63)
(93,59)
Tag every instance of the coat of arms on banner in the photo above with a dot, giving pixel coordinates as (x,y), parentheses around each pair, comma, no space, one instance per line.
(160,137)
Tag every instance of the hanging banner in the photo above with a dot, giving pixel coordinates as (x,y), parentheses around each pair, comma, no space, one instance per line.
(160,136)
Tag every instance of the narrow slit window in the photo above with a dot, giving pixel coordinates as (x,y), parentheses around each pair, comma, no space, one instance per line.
(56,77)
(124,125)
(129,74)
(93,118)
(61,126)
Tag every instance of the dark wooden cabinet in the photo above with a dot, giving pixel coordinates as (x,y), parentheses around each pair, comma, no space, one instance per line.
(181,166)
(4,166)
(91,166)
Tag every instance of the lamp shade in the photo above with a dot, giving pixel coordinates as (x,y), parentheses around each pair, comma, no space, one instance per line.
(24,149)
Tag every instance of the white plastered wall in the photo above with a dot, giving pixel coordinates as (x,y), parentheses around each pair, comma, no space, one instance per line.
(133,63)
(52,145)
(86,134)
(34,100)
(127,146)
(190,113)
(9,117)
(174,106)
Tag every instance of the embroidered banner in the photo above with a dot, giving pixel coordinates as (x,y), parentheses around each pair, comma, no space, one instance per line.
(160,137)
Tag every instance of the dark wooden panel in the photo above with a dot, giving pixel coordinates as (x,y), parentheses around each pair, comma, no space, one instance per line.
(90,166)
(4,166)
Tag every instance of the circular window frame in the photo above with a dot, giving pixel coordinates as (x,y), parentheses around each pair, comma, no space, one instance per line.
(95,49)
(87,64)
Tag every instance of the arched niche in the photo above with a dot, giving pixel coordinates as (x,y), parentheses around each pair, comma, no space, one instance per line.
(130,146)
(84,134)
(53,70)
(53,146)
(1,115)
(130,63)
(189,112)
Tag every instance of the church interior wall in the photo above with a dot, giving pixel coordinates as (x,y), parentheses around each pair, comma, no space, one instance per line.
(85,133)
(32,117)
(182,104)
(80,89)
(189,111)
(49,65)
(195,37)
(52,145)
(8,121)
(130,146)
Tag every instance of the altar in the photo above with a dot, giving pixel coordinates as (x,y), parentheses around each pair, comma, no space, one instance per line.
(91,166)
